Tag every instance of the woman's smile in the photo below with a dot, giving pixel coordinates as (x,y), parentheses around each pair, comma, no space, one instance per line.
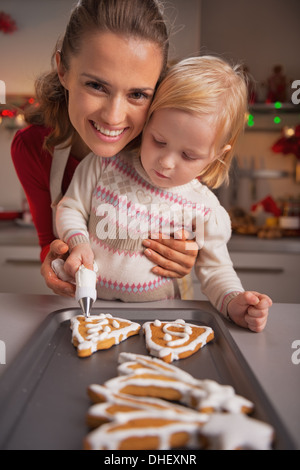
(108,134)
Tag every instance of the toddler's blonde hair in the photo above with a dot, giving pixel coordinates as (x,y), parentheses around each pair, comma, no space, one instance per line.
(208,86)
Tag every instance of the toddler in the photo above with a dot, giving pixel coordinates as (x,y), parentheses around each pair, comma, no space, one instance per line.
(113,204)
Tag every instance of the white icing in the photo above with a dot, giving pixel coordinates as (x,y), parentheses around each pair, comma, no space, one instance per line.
(108,437)
(167,337)
(200,394)
(184,335)
(227,431)
(205,394)
(156,364)
(98,329)
(100,410)
(177,346)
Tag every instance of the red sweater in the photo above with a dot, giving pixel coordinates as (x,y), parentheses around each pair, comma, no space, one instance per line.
(33,165)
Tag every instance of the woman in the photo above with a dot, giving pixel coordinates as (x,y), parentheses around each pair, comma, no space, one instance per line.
(112,56)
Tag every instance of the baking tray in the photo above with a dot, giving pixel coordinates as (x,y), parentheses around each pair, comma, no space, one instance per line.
(43,399)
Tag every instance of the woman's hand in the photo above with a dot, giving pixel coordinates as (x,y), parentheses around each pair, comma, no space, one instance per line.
(58,249)
(174,257)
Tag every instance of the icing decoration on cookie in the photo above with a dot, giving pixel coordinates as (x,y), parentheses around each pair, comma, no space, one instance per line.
(236,432)
(175,340)
(206,396)
(100,332)
(138,411)
(129,362)
(112,404)
(145,430)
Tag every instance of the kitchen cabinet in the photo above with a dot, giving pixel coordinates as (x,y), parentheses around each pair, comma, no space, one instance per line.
(274,274)
(20,270)
(268,266)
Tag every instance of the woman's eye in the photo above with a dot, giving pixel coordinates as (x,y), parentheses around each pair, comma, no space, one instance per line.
(95,86)
(138,95)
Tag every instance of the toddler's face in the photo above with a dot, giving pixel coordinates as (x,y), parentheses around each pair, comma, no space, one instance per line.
(177,146)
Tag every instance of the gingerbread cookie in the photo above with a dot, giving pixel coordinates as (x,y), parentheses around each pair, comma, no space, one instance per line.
(138,411)
(100,332)
(145,430)
(229,431)
(109,405)
(131,363)
(203,395)
(176,339)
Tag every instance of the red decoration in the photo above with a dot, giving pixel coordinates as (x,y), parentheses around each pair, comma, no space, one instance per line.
(277,83)
(269,205)
(7,113)
(17,106)
(7,24)
(289,144)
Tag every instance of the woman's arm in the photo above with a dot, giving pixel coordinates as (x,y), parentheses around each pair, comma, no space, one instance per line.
(32,165)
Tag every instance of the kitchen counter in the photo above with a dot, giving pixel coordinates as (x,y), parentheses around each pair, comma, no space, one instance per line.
(269,354)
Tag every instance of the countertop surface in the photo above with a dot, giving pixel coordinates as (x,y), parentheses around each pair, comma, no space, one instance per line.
(14,233)
(273,355)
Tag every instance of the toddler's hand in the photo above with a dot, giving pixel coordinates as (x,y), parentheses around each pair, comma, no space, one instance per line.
(250,310)
(80,254)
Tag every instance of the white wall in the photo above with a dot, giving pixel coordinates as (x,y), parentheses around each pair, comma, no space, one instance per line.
(26,53)
(261,33)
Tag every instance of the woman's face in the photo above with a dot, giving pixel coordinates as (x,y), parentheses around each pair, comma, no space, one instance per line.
(111,82)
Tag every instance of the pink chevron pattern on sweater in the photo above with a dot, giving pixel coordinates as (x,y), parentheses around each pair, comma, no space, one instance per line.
(123,167)
(109,249)
(132,288)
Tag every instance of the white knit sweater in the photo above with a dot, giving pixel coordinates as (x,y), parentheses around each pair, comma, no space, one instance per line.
(112,204)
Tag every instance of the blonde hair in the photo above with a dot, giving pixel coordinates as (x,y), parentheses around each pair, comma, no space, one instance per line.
(138,18)
(208,86)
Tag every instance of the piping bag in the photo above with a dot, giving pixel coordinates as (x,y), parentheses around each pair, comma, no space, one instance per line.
(85,281)
(86,293)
